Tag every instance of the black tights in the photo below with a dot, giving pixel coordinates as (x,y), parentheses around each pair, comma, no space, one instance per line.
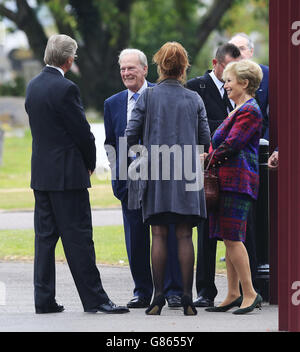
(185,255)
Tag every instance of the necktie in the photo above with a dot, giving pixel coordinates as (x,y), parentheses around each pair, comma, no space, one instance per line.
(135,96)
(226,101)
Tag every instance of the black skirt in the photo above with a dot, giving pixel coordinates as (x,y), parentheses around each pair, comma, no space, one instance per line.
(169,218)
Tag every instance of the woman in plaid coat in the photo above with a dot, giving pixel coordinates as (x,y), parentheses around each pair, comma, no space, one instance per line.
(235,159)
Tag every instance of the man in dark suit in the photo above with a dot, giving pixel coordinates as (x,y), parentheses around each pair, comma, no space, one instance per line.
(63,158)
(210,87)
(246,46)
(117,111)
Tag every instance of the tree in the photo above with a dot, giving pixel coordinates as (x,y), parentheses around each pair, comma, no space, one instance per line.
(103,28)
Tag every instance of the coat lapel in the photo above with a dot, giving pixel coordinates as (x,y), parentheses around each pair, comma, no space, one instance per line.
(214,91)
(122,112)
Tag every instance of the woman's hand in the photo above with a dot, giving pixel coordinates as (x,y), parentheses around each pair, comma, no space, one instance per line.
(206,159)
(203,156)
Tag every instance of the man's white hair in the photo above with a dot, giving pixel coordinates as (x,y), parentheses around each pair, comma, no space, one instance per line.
(142,57)
(244,35)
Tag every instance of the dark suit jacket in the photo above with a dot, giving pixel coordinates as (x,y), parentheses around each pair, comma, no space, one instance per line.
(115,122)
(215,108)
(262,97)
(63,147)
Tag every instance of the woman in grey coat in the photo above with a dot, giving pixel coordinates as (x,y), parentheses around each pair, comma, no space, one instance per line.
(171,121)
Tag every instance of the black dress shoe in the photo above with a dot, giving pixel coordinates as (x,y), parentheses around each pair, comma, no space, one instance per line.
(188,306)
(174,301)
(236,303)
(108,307)
(156,305)
(256,304)
(50,309)
(202,301)
(138,302)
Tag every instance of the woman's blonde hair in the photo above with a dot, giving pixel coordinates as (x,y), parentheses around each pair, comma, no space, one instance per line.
(245,70)
(172,61)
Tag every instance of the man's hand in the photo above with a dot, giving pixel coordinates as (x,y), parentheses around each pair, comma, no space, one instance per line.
(90,172)
(273,161)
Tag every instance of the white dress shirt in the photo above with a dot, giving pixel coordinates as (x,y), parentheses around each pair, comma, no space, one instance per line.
(131,101)
(57,68)
(220,85)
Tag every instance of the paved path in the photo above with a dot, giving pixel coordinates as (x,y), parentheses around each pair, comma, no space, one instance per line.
(17,310)
(24,220)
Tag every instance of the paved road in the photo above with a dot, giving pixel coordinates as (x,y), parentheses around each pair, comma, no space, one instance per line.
(24,220)
(17,311)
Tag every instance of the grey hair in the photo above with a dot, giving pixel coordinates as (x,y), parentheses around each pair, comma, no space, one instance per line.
(244,35)
(59,48)
(142,57)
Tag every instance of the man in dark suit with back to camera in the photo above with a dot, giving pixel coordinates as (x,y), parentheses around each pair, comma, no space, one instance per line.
(63,159)
(210,87)
(117,112)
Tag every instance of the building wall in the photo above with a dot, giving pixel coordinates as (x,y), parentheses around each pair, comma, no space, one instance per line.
(285,131)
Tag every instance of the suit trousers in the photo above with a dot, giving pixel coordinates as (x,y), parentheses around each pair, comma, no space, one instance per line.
(206,262)
(65,214)
(137,238)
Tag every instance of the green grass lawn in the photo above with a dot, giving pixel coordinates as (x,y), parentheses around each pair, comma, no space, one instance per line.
(109,246)
(15,194)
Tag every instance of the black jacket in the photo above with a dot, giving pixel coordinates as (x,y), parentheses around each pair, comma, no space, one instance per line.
(63,147)
(216,110)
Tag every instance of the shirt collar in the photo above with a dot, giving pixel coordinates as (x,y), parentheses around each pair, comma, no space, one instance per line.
(143,87)
(217,82)
(57,68)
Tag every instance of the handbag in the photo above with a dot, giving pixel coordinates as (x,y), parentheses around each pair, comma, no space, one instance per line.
(137,187)
(211,188)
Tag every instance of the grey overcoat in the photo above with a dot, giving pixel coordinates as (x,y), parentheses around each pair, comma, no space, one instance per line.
(177,124)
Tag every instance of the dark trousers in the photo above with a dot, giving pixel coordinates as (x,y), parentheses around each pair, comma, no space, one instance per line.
(65,214)
(206,256)
(206,262)
(137,238)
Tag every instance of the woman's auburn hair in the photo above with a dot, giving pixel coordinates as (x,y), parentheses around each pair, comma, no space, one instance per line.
(172,61)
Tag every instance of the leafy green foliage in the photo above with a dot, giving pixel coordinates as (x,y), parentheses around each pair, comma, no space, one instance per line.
(103,28)
(15,87)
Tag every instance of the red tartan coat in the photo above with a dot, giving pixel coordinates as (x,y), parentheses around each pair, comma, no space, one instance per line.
(236,149)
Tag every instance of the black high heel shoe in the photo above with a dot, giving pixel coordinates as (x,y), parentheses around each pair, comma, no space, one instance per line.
(236,303)
(256,304)
(188,306)
(156,305)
